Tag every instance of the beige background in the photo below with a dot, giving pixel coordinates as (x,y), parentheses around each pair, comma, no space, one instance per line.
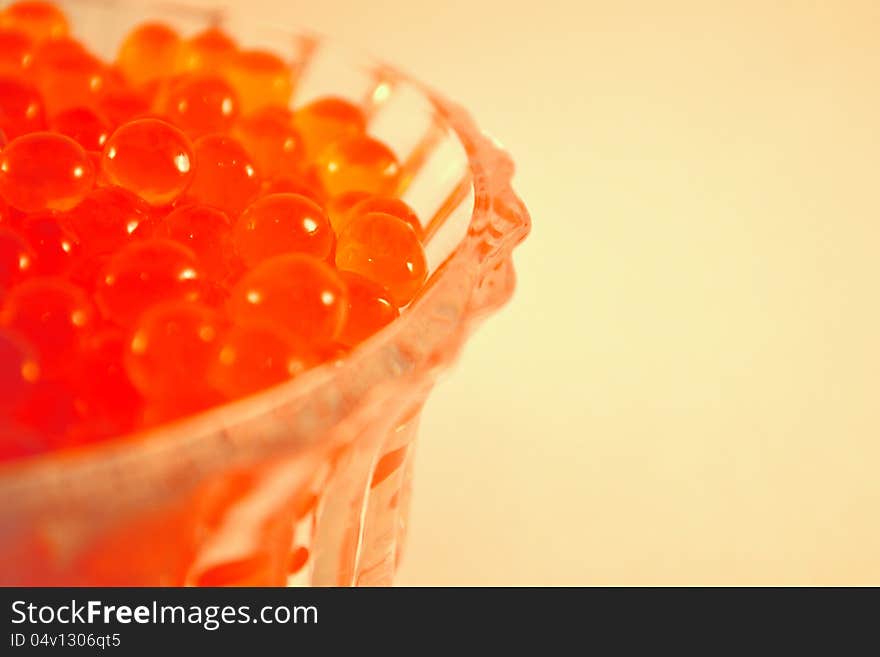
(686,388)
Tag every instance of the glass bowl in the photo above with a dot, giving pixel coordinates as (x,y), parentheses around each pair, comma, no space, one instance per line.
(307,483)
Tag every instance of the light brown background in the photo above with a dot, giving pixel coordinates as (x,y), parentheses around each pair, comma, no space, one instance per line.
(686,388)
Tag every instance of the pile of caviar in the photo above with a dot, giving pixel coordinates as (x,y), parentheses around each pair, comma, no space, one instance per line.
(172,235)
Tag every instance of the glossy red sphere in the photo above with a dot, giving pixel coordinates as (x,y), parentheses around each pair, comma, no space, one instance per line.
(150,158)
(282,223)
(297,293)
(202,104)
(19,370)
(22,109)
(68,75)
(385,250)
(171,349)
(84,126)
(148,53)
(55,245)
(370,308)
(225,175)
(270,138)
(145,273)
(16,51)
(386,205)
(326,120)
(45,171)
(39,20)
(105,219)
(17,259)
(54,315)
(255,355)
(205,230)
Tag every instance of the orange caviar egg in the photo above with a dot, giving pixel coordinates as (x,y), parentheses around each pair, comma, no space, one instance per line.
(19,369)
(385,250)
(144,273)
(67,74)
(261,79)
(282,223)
(53,412)
(151,158)
(44,171)
(105,219)
(148,53)
(253,356)
(201,104)
(21,108)
(39,20)
(171,349)
(209,50)
(358,164)
(269,136)
(296,293)
(110,404)
(385,204)
(205,230)
(225,176)
(54,315)
(16,51)
(55,245)
(84,126)
(122,105)
(369,309)
(326,120)
(17,259)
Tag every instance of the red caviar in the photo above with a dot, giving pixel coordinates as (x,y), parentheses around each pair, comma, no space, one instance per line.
(358,164)
(84,126)
(209,50)
(225,176)
(19,369)
(297,293)
(21,107)
(173,234)
(260,78)
(56,247)
(172,343)
(105,219)
(44,171)
(151,159)
(282,223)
(370,308)
(68,75)
(148,53)
(385,250)
(205,230)
(202,104)
(39,20)
(54,315)
(142,274)
(385,204)
(326,120)
(16,51)
(17,259)
(273,142)
(255,355)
